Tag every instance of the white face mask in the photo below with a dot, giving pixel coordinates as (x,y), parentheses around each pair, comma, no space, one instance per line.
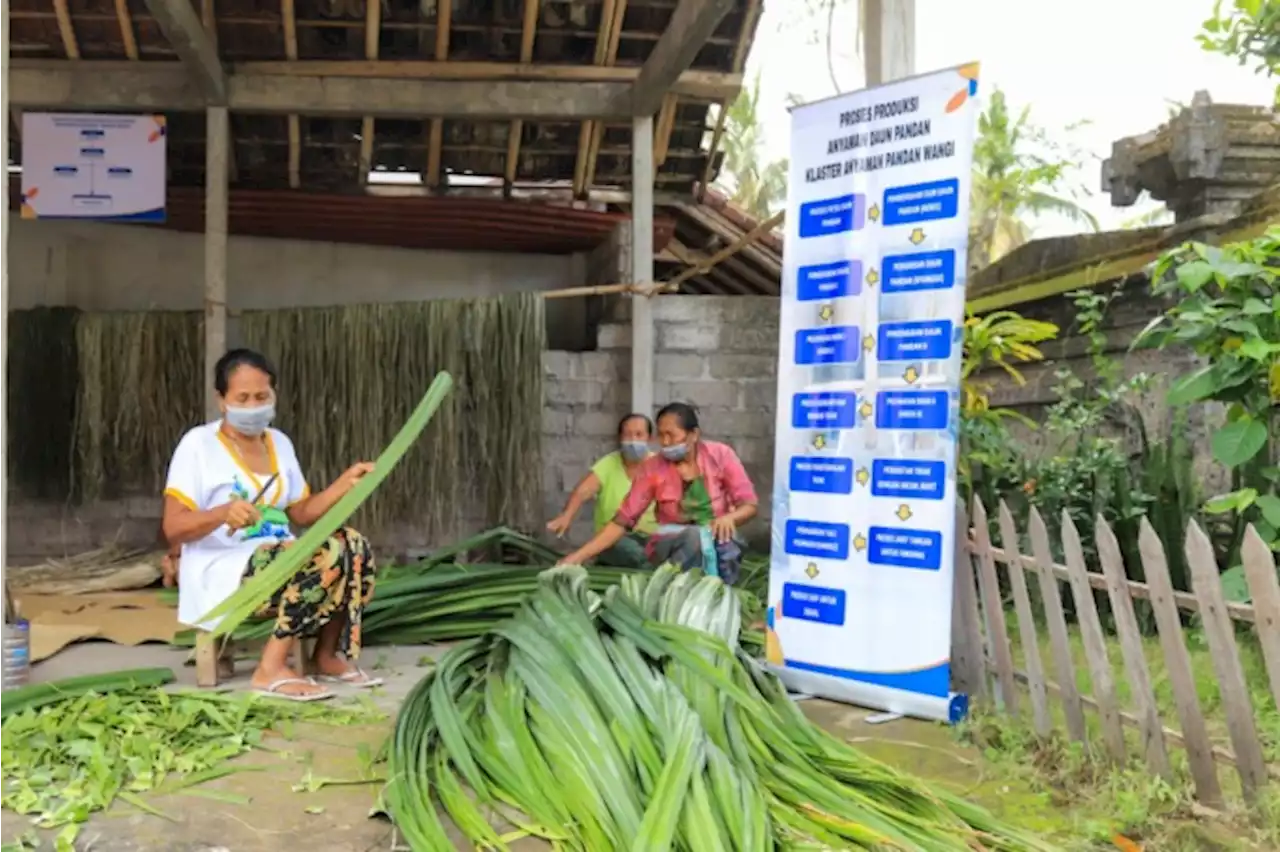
(251,422)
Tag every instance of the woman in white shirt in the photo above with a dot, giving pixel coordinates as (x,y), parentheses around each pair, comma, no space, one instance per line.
(234,489)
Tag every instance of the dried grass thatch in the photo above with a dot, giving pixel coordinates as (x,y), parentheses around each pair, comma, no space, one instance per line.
(350,376)
(141,387)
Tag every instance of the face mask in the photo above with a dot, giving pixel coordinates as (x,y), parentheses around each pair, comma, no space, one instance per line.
(251,422)
(675,452)
(634,450)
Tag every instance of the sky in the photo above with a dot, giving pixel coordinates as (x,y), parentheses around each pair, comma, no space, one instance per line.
(1115,63)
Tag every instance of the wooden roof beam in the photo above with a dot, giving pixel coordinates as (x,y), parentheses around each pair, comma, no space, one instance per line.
(65,29)
(89,85)
(516,130)
(187,36)
(127,36)
(435,137)
(691,25)
(372,37)
(289,18)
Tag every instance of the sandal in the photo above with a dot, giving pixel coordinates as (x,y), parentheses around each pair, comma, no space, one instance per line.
(353,677)
(273,690)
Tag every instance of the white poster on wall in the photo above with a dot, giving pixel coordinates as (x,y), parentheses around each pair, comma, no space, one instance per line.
(85,166)
(864,501)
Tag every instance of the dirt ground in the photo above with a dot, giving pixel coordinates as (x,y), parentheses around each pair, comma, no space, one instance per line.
(336,818)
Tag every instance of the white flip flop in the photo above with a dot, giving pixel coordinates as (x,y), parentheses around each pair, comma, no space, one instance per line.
(353,678)
(273,690)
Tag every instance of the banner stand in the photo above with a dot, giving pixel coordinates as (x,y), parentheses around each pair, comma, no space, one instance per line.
(870,355)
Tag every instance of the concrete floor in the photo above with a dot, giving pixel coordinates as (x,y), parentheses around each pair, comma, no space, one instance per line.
(337,818)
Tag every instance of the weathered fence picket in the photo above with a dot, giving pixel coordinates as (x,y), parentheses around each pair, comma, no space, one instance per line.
(1135,659)
(1095,642)
(1059,643)
(1026,629)
(1178,664)
(983,640)
(1220,637)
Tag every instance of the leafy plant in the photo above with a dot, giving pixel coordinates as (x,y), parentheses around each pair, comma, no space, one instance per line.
(756,186)
(1248,30)
(1228,313)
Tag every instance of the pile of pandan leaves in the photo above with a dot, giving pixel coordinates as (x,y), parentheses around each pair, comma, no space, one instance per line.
(633,720)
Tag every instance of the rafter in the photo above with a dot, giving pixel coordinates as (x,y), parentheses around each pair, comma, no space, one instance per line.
(662,130)
(435,137)
(194,45)
(127,36)
(65,30)
(372,35)
(290,21)
(749,22)
(612,14)
(691,25)
(516,128)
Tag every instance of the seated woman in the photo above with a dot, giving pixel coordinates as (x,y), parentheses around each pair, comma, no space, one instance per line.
(609,482)
(702,495)
(234,488)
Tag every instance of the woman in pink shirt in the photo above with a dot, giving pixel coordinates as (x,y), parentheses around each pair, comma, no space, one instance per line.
(701,493)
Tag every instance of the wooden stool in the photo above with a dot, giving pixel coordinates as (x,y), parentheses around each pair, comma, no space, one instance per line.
(207,656)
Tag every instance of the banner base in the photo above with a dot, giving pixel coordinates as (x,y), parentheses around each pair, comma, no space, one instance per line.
(952,708)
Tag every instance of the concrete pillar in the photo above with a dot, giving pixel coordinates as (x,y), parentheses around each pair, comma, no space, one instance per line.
(642,332)
(889,40)
(215,248)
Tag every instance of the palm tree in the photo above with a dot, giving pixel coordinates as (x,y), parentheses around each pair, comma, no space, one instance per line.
(1011,182)
(757,188)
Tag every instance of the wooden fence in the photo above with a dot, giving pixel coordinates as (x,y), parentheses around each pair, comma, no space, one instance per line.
(983,656)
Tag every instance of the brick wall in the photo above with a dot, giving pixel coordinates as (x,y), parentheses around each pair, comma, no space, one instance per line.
(718,353)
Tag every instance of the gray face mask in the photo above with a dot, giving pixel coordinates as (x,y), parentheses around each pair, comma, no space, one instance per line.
(675,452)
(634,450)
(251,422)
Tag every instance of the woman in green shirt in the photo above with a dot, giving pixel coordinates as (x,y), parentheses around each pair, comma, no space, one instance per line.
(609,482)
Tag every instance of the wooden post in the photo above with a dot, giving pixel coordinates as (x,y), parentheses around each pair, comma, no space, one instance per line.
(968,666)
(215,249)
(642,330)
(1131,649)
(1177,662)
(889,40)
(1026,624)
(1095,642)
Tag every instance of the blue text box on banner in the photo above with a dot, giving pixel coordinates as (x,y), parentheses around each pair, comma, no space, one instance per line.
(921,479)
(900,548)
(824,410)
(813,603)
(912,341)
(837,344)
(922,270)
(912,409)
(817,539)
(921,202)
(833,280)
(829,216)
(821,475)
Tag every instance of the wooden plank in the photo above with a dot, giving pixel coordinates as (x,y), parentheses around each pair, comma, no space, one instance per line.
(435,136)
(65,30)
(372,41)
(592,133)
(666,124)
(1131,649)
(195,46)
(1221,639)
(1041,719)
(290,22)
(1056,623)
(691,25)
(968,656)
(1095,643)
(365,163)
(206,659)
(127,36)
(1260,570)
(1177,664)
(993,610)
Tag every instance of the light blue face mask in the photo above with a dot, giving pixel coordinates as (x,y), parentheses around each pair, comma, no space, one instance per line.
(634,450)
(251,422)
(675,452)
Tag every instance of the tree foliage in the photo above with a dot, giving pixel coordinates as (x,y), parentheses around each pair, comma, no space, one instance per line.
(1249,31)
(756,186)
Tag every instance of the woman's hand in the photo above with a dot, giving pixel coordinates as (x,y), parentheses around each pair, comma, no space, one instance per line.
(723,529)
(559,525)
(574,558)
(240,514)
(352,475)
